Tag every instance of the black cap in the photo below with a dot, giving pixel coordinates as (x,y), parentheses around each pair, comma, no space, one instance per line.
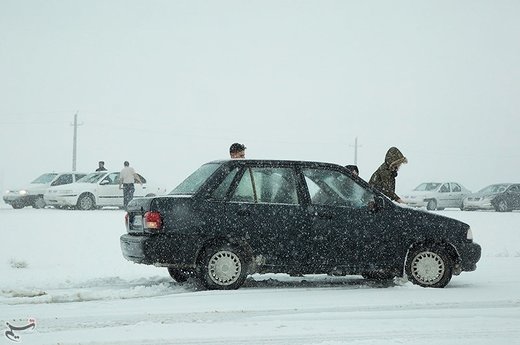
(236,147)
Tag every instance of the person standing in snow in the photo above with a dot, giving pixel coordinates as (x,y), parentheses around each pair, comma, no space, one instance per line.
(101,167)
(237,150)
(383,178)
(127,178)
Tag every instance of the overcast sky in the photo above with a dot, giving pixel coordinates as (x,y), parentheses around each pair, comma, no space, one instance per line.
(169,85)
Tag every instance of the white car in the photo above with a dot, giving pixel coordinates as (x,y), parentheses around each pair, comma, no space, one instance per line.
(437,195)
(32,194)
(96,190)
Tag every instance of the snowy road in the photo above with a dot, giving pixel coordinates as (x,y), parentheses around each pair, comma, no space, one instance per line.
(64,268)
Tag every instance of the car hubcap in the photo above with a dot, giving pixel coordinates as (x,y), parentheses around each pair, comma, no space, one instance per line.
(224,268)
(86,203)
(428,268)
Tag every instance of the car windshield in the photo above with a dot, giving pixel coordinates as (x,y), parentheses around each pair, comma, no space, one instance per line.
(193,182)
(494,188)
(424,187)
(45,178)
(92,178)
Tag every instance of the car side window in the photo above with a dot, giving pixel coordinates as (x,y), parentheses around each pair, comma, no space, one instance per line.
(244,191)
(445,188)
(275,185)
(267,185)
(455,187)
(514,189)
(78,176)
(63,179)
(221,191)
(112,178)
(332,188)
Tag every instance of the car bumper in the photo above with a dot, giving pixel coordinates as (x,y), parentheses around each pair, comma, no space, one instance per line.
(415,202)
(469,255)
(19,199)
(158,250)
(468,205)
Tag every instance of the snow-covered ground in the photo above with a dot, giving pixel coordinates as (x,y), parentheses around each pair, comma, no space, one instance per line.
(65,270)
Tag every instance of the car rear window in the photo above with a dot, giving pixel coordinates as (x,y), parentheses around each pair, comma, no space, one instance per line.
(193,182)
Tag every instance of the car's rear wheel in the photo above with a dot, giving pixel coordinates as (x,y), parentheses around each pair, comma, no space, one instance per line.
(39,202)
(502,206)
(180,275)
(223,267)
(17,205)
(429,266)
(431,205)
(85,202)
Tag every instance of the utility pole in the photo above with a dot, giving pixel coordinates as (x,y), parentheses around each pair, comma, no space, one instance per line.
(355,150)
(74,141)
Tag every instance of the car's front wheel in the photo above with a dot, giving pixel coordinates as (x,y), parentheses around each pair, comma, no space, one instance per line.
(223,267)
(431,205)
(39,202)
(429,266)
(85,202)
(502,206)
(179,275)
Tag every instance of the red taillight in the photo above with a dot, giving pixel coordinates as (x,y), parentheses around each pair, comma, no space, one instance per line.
(152,220)
(127,217)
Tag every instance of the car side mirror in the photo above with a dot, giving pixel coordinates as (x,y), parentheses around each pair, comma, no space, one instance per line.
(104,182)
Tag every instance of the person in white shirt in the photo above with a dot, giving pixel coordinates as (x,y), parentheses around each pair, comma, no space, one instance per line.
(127,178)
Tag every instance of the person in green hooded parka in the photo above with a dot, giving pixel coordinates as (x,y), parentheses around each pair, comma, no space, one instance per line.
(383,179)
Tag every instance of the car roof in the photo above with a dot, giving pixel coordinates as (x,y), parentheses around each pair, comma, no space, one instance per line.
(274,162)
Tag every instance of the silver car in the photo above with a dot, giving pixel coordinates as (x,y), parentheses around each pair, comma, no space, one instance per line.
(437,195)
(499,197)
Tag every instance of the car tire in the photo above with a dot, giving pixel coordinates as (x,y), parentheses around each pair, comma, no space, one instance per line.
(180,275)
(223,267)
(502,206)
(85,202)
(431,205)
(17,206)
(429,266)
(39,202)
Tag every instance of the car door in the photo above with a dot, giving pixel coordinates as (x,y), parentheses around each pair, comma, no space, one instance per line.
(261,205)
(457,195)
(108,192)
(513,197)
(444,196)
(345,233)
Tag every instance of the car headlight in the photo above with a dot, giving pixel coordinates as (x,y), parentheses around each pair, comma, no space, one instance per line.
(23,192)
(469,234)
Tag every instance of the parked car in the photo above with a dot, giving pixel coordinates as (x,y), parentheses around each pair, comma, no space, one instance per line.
(237,217)
(32,194)
(501,197)
(96,190)
(437,195)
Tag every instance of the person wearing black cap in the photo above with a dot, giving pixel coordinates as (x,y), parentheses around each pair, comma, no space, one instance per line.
(237,150)
(101,167)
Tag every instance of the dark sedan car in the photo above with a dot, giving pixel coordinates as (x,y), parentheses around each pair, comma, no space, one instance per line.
(233,218)
(502,197)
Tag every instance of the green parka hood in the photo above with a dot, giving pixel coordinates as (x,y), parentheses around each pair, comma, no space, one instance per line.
(394,157)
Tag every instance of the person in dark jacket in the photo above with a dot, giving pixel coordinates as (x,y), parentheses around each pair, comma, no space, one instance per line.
(101,167)
(384,177)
